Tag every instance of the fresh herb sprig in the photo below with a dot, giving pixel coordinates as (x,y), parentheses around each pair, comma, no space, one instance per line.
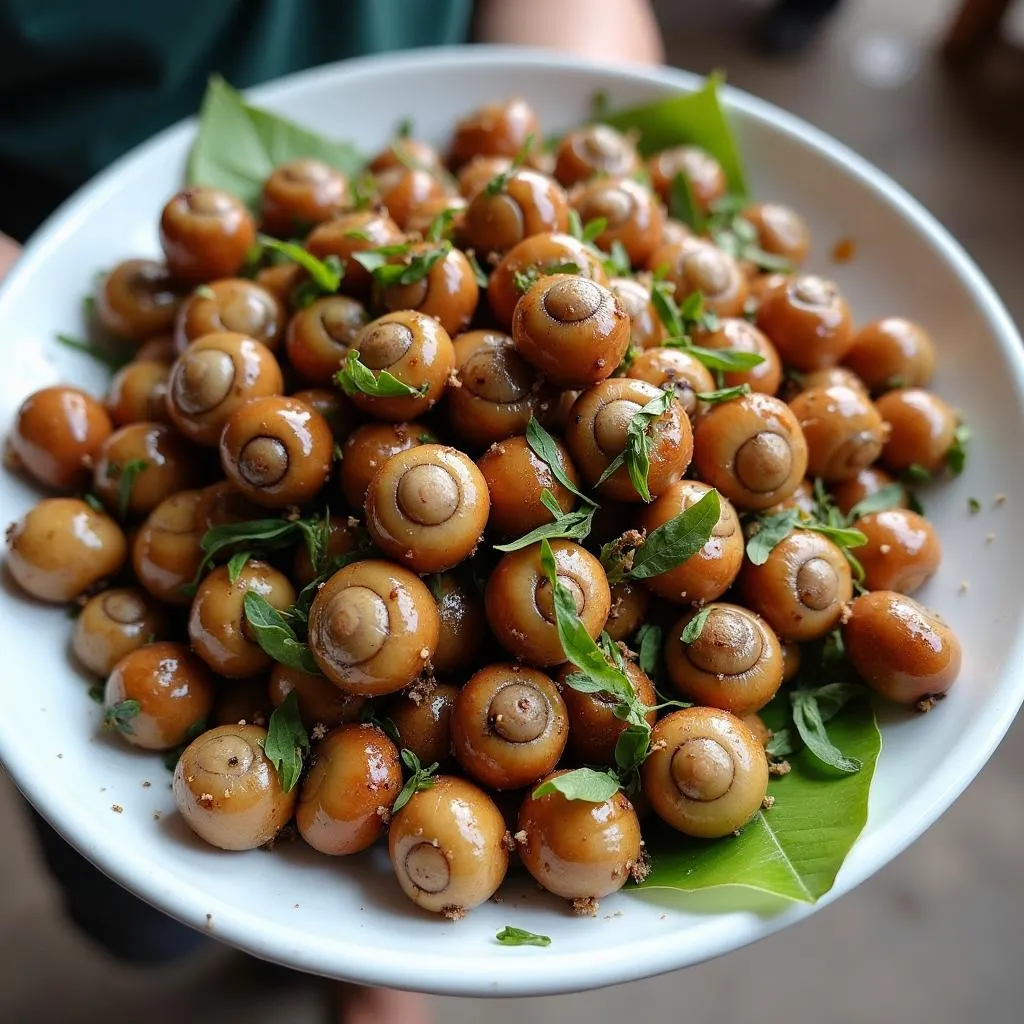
(387,272)
(287,743)
(581,784)
(275,635)
(636,456)
(420,779)
(355,378)
(512,936)
(575,526)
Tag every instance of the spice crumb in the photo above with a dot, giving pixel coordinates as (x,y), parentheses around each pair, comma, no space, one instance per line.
(779,768)
(454,913)
(117,808)
(209,922)
(928,701)
(640,868)
(989,537)
(157,815)
(384,813)
(319,731)
(507,841)
(962,589)
(585,906)
(844,250)
(206,800)
(59,756)
(885,548)
(999,499)
(768,802)
(663,917)
(520,836)
(146,783)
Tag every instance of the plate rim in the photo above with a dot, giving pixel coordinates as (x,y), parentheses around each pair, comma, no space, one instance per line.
(526,973)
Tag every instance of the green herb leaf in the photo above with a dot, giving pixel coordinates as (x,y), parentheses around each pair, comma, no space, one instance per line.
(355,378)
(889,496)
(236,563)
(695,626)
(524,280)
(574,526)
(287,743)
(632,747)
(368,716)
(372,260)
(810,725)
(510,936)
(723,394)
(593,228)
(677,540)
(416,268)
(94,503)
(545,447)
(119,716)
(478,271)
(499,182)
(770,530)
(973,506)
(420,779)
(126,476)
(683,206)
(728,360)
(575,224)
(917,474)
(956,457)
(275,635)
(648,644)
(327,276)
(576,642)
(667,309)
(617,263)
(96,692)
(695,118)
(112,357)
(844,537)
(796,849)
(238,146)
(581,784)
(780,744)
(636,455)
(441,226)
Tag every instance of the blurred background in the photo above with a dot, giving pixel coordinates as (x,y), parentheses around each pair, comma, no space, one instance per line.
(935,936)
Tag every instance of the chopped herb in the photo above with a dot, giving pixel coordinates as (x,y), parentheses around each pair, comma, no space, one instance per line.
(511,936)
(768,531)
(287,742)
(420,779)
(682,205)
(600,105)
(112,358)
(889,496)
(94,503)
(236,563)
(648,643)
(119,716)
(440,227)
(478,271)
(524,280)
(373,259)
(545,447)
(403,130)
(581,784)
(273,633)
(327,276)
(809,718)
(364,191)
(695,626)
(617,264)
(723,394)
(575,224)
(415,267)
(917,474)
(575,526)
(956,457)
(499,182)
(593,229)
(354,379)
(679,539)
(96,692)
(973,506)
(126,476)
(667,309)
(728,360)
(780,744)
(368,716)
(636,455)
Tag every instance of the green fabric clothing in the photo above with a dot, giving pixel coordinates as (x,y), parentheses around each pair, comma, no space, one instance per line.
(82,81)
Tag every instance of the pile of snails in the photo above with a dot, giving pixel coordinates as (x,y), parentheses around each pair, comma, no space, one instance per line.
(282,522)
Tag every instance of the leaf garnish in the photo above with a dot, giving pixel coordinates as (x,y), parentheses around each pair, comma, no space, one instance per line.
(420,779)
(512,936)
(114,358)
(693,629)
(287,742)
(119,716)
(326,275)
(581,784)
(677,540)
(545,447)
(274,634)
(636,455)
(575,526)
(356,379)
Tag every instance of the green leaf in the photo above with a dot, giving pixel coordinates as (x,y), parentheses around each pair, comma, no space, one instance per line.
(478,272)
(795,849)
(420,779)
(842,536)
(632,746)
(769,531)
(648,643)
(94,503)
(917,474)
(368,716)
(275,635)
(810,725)
(683,206)
(575,526)
(693,629)
(510,936)
(236,563)
(238,146)
(636,455)
(441,226)
(524,280)
(126,476)
(575,224)
(581,784)
(677,540)
(420,264)
(499,182)
(119,716)
(780,745)
(577,644)
(372,260)
(695,119)
(287,743)
(96,692)
(354,378)
(889,496)
(667,309)
(545,447)
(618,263)
(728,360)
(723,394)
(973,506)
(326,276)
(112,356)
(593,228)
(956,457)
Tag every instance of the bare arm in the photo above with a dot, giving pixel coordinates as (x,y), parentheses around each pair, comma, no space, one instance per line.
(9,251)
(611,30)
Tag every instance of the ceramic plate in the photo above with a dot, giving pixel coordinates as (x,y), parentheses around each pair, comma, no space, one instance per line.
(347,918)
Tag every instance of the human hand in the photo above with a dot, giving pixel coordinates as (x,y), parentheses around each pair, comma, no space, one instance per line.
(360,1005)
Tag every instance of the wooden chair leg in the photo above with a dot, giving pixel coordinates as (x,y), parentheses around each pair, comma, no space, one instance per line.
(974,30)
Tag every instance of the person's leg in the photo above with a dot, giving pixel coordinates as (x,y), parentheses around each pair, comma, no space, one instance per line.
(124,925)
(787,26)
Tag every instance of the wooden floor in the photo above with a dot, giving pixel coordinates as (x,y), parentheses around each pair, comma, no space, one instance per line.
(932,939)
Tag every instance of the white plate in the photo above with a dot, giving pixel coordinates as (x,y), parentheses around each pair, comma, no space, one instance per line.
(347,918)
